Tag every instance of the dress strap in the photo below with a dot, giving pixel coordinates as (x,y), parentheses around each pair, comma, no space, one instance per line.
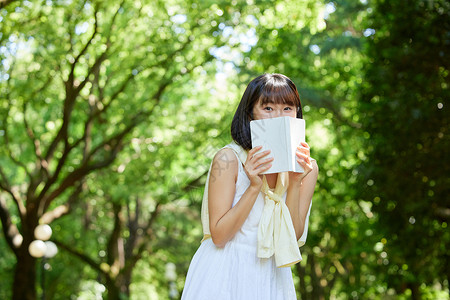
(240,153)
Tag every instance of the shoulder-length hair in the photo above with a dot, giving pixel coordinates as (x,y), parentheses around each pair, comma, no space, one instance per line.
(267,88)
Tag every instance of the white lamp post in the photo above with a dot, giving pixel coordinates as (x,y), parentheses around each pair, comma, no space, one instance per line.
(38,248)
(51,250)
(43,232)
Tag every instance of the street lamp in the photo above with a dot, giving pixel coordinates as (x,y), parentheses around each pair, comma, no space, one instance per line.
(43,232)
(37,248)
(171,276)
(42,247)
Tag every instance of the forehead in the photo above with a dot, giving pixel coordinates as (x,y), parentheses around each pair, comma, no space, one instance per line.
(286,99)
(263,102)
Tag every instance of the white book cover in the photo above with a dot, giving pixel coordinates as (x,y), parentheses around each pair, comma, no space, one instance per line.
(281,136)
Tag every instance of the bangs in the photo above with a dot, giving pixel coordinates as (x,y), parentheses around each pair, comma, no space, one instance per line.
(279,93)
(264,89)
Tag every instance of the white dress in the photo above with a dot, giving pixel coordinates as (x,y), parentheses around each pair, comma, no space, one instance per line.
(235,272)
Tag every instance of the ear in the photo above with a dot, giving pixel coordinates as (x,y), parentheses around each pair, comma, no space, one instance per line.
(250,115)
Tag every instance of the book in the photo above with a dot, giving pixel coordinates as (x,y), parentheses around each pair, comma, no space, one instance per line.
(281,136)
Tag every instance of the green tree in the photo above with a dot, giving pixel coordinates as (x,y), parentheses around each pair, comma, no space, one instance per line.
(404,109)
(76,81)
(138,208)
(111,113)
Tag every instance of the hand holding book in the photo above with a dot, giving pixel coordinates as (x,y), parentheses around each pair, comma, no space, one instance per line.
(284,137)
(256,163)
(304,159)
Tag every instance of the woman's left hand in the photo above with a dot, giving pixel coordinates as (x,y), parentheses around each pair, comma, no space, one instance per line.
(304,160)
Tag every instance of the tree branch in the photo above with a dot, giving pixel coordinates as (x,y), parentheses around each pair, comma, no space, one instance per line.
(85,168)
(194,183)
(83,51)
(6,186)
(133,227)
(40,162)
(155,213)
(54,177)
(9,229)
(62,133)
(71,93)
(143,242)
(68,108)
(7,144)
(125,83)
(318,101)
(68,148)
(4,3)
(63,209)
(114,142)
(95,265)
(100,58)
(91,70)
(112,245)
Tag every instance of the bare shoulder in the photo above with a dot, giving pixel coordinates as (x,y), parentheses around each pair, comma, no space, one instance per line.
(225,163)
(226,155)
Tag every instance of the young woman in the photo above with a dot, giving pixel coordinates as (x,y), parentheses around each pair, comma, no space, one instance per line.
(253,224)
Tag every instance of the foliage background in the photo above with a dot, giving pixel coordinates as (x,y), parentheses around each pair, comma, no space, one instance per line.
(113,113)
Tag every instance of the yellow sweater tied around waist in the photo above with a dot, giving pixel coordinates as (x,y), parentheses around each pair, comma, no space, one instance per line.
(276,233)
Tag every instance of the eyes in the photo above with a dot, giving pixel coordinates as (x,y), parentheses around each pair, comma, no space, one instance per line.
(272,110)
(287,108)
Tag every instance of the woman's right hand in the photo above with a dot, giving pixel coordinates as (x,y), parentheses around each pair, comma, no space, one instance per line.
(257,164)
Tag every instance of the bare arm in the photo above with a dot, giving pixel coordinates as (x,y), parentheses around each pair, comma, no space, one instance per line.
(298,199)
(225,220)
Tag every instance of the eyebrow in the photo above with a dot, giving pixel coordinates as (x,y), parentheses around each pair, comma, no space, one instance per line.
(273,103)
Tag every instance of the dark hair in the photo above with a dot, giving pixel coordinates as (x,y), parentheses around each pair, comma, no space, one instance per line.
(269,88)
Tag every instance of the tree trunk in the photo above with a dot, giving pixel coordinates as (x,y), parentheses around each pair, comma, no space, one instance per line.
(415,291)
(302,285)
(125,283)
(24,285)
(317,292)
(112,290)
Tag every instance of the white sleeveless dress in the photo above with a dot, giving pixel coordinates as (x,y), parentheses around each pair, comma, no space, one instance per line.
(235,272)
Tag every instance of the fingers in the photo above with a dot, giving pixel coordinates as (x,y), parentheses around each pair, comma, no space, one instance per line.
(255,157)
(303,152)
(264,166)
(257,163)
(259,156)
(304,161)
(304,148)
(303,156)
(254,150)
(260,164)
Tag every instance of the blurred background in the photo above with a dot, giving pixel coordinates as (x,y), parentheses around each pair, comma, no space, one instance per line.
(111,112)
